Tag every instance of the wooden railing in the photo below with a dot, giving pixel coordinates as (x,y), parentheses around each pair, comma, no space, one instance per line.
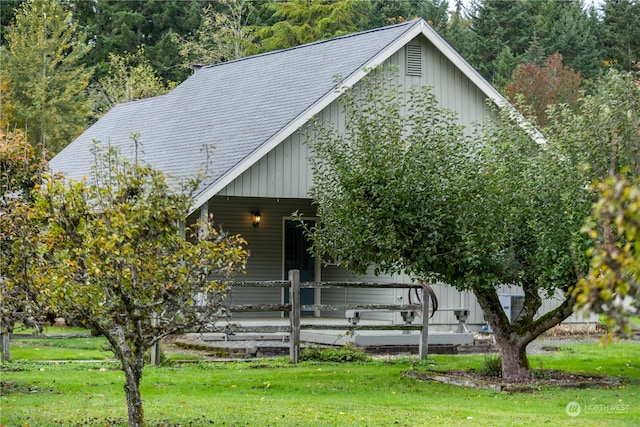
(294,307)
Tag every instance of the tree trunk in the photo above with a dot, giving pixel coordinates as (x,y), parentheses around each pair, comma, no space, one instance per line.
(5,337)
(132,364)
(512,340)
(513,355)
(132,392)
(6,349)
(512,348)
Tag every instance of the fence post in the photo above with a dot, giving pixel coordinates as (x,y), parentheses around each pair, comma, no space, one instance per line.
(423,349)
(294,315)
(155,348)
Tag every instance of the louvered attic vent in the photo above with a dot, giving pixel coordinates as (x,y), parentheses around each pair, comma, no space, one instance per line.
(414,60)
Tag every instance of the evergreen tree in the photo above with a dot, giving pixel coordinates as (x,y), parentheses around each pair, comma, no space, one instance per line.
(620,35)
(496,25)
(122,27)
(435,12)
(302,21)
(45,79)
(458,33)
(535,52)
(563,26)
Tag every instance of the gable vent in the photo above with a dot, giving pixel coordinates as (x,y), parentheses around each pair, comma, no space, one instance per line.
(414,60)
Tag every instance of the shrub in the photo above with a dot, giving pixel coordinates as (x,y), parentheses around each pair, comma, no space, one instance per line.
(492,366)
(346,353)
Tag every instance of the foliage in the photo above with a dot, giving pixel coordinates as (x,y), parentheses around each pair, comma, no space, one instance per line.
(494,36)
(346,353)
(491,366)
(603,138)
(497,25)
(304,21)
(123,27)
(613,285)
(112,255)
(602,134)
(356,185)
(45,79)
(403,189)
(620,33)
(222,36)
(537,87)
(382,13)
(564,27)
(20,172)
(128,78)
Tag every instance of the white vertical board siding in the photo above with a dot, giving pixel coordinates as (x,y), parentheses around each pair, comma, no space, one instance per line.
(284,172)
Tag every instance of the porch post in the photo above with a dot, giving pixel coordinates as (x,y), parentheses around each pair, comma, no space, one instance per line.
(423,349)
(203,224)
(294,315)
(155,348)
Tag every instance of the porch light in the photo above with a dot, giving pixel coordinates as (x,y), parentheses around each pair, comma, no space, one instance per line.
(256,218)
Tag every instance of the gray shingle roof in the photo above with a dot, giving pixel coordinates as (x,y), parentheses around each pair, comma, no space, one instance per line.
(236,107)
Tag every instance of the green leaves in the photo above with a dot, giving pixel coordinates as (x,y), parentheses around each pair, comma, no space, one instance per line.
(45,81)
(382,188)
(612,286)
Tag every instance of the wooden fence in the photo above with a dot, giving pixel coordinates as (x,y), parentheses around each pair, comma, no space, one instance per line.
(294,307)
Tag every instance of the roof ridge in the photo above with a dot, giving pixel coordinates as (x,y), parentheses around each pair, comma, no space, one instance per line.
(314,43)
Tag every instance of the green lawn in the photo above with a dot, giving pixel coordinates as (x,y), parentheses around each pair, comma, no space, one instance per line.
(271,392)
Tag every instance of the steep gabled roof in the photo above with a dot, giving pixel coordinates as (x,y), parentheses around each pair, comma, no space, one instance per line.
(245,108)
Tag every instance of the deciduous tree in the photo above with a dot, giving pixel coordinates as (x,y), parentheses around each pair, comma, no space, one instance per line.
(222,36)
(605,134)
(403,189)
(613,285)
(113,256)
(46,81)
(21,170)
(536,87)
(128,78)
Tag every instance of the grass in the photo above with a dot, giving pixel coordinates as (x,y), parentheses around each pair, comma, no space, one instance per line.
(271,392)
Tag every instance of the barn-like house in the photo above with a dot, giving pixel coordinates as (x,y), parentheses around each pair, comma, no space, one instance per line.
(253,112)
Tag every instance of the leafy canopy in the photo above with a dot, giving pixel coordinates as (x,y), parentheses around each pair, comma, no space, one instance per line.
(45,78)
(405,188)
(613,285)
(113,254)
(607,136)
(20,172)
